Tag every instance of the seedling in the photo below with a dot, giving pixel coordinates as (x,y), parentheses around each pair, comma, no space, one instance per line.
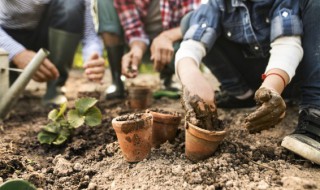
(61,126)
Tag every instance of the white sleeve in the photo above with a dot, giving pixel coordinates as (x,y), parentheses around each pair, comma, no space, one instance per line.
(286,54)
(192,49)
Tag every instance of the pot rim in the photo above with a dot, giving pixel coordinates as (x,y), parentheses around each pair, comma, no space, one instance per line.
(165,115)
(203,133)
(148,116)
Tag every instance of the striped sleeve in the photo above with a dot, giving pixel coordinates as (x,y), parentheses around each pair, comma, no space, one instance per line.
(91,41)
(10,45)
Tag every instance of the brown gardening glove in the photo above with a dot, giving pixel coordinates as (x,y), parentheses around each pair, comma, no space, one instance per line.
(271,111)
(199,112)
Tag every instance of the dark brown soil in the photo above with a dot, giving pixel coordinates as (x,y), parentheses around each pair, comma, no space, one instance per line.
(92,159)
(163,111)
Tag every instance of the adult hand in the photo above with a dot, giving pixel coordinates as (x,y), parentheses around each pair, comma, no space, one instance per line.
(94,67)
(162,51)
(46,71)
(130,62)
(271,111)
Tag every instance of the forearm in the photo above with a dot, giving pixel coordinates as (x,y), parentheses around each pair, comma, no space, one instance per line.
(173,34)
(276,79)
(286,53)
(138,46)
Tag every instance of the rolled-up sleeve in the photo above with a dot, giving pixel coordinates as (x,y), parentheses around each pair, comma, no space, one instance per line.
(204,24)
(285,19)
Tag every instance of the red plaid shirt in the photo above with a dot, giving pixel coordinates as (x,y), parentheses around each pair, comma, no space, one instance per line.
(131,13)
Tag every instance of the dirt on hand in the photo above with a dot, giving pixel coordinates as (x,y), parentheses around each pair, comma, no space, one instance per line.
(200,113)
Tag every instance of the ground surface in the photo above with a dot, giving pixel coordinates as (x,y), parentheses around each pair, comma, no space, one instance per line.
(92,158)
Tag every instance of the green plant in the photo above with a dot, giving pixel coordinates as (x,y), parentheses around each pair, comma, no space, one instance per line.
(61,126)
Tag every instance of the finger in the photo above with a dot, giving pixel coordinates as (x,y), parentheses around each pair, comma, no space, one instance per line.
(94,63)
(266,119)
(39,77)
(51,68)
(259,128)
(95,77)
(263,95)
(258,113)
(45,72)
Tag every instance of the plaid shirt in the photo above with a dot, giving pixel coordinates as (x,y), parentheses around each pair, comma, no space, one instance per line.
(131,14)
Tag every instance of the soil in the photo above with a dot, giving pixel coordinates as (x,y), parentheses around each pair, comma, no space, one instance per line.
(92,159)
(163,111)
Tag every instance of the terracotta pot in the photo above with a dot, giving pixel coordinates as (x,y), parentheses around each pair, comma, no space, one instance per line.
(165,126)
(201,143)
(134,135)
(139,97)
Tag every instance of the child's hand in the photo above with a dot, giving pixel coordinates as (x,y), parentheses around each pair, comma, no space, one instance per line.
(271,111)
(199,112)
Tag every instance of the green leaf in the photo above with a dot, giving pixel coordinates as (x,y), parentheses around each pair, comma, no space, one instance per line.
(53,115)
(63,136)
(17,184)
(75,119)
(52,128)
(63,108)
(83,104)
(46,138)
(93,117)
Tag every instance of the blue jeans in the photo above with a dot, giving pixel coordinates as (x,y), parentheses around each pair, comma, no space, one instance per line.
(238,72)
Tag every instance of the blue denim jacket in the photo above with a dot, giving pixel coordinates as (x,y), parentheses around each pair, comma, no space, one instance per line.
(252,23)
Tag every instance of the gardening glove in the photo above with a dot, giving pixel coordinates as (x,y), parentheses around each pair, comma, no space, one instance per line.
(271,111)
(199,112)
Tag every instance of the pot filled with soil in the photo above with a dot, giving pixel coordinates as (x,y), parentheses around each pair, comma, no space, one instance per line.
(134,135)
(165,125)
(201,143)
(139,97)
(203,130)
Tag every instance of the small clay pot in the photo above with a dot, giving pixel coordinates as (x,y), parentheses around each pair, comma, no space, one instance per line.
(165,126)
(201,143)
(134,135)
(139,97)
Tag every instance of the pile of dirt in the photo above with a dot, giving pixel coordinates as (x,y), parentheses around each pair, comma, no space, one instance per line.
(92,159)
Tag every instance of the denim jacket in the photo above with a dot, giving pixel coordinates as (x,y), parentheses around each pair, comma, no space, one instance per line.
(252,23)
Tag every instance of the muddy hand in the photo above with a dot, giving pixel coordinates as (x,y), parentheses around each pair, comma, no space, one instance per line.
(198,112)
(271,111)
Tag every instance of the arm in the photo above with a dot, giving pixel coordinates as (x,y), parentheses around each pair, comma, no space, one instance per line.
(162,50)
(286,53)
(198,94)
(92,48)
(131,21)
(20,56)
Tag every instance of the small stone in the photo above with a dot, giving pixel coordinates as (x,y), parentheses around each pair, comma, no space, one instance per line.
(263,185)
(77,167)
(92,186)
(177,169)
(1,180)
(229,184)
